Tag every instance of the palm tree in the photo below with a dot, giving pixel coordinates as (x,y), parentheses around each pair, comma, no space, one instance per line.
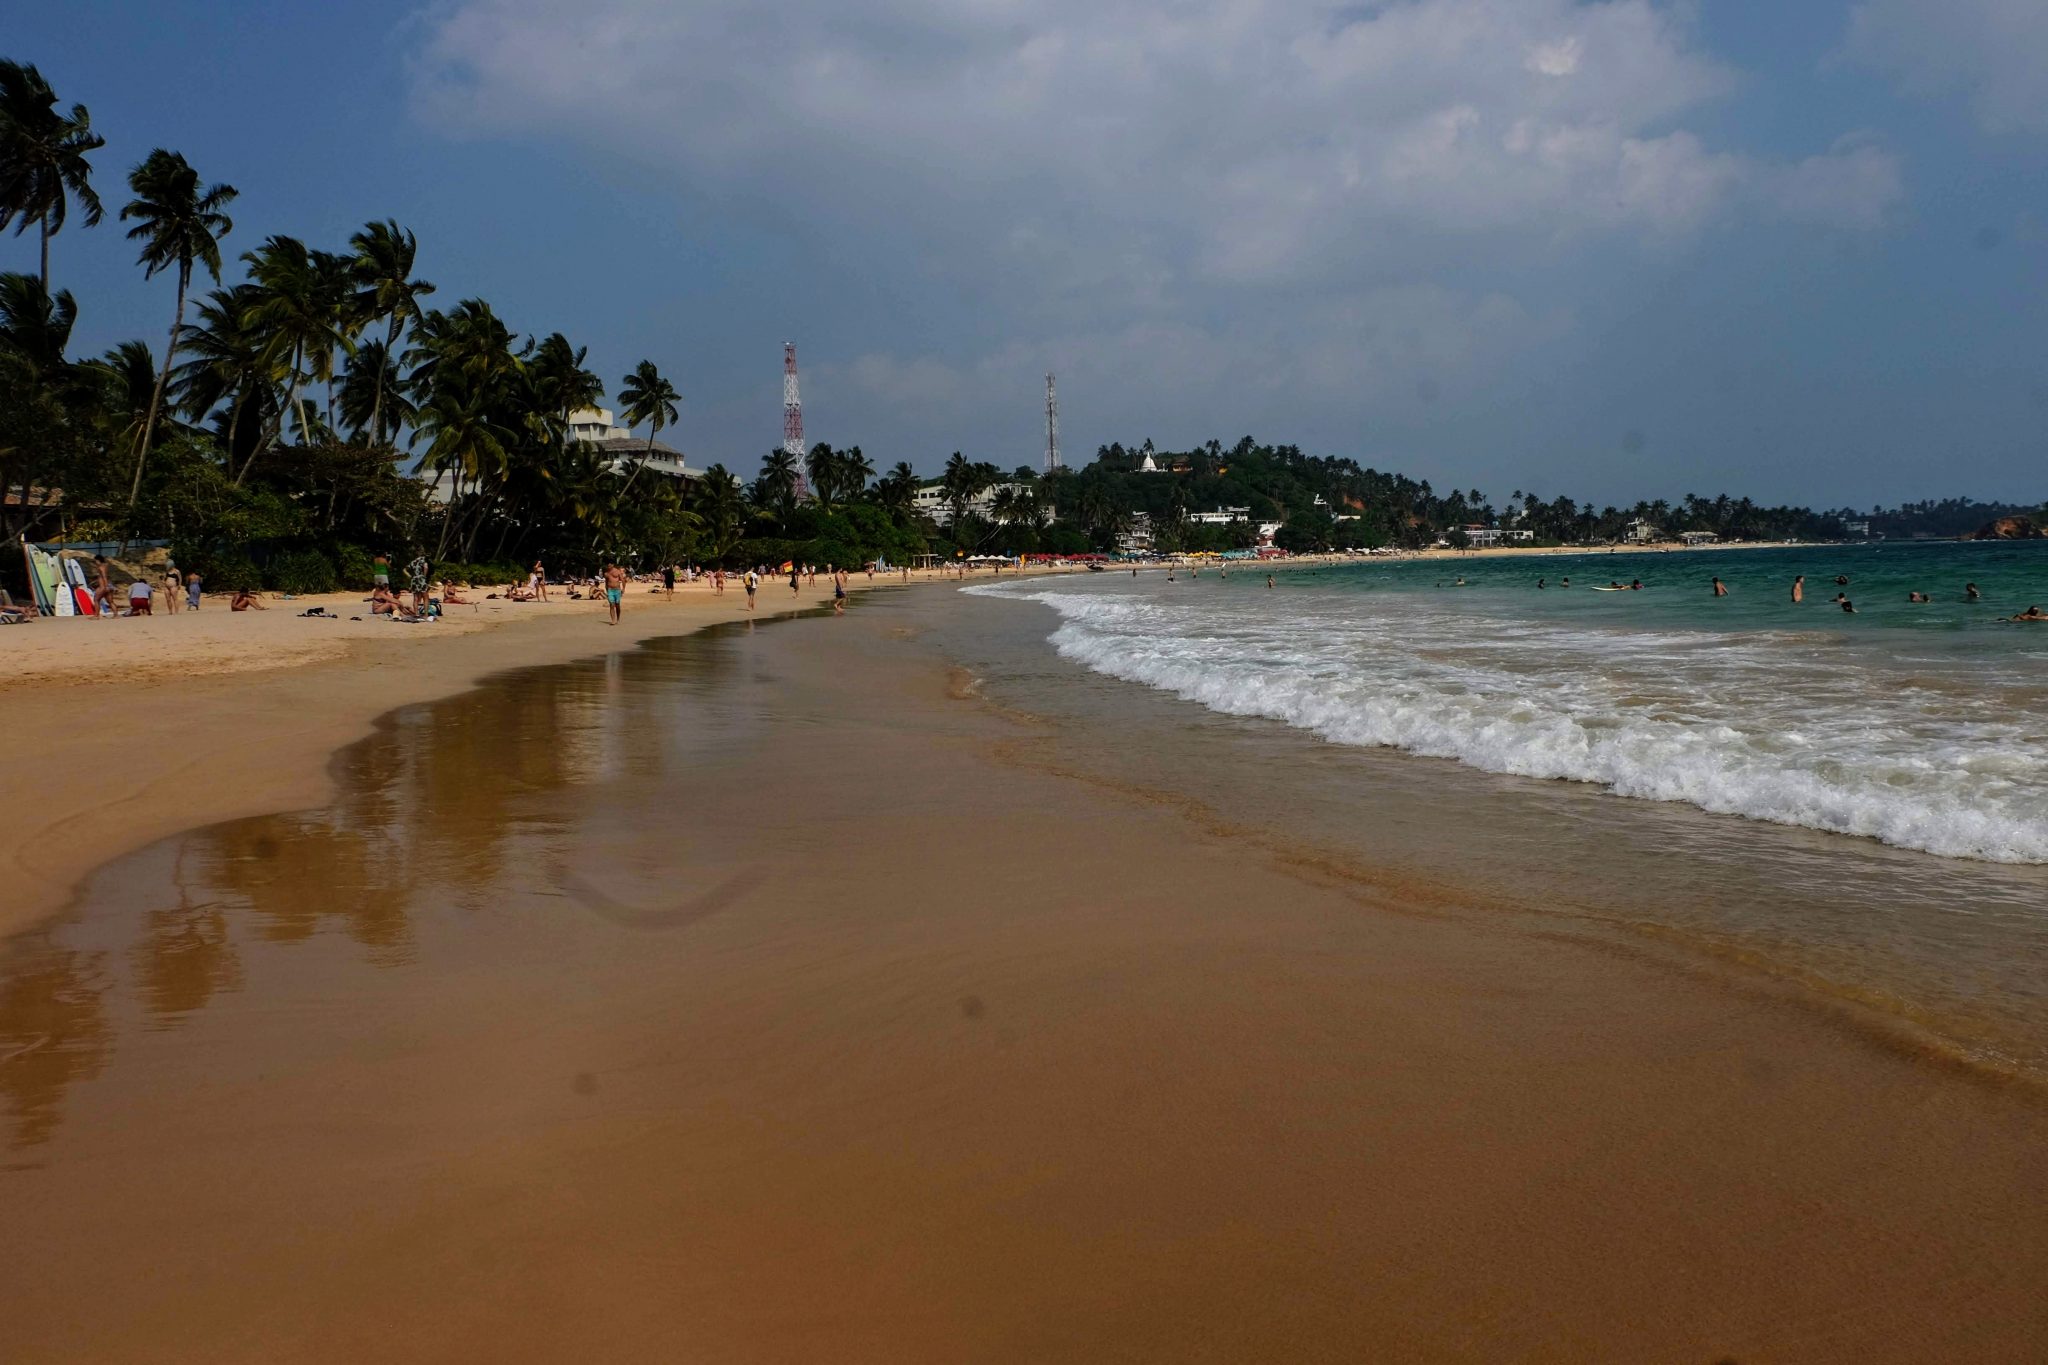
(828,473)
(229,361)
(42,157)
(897,492)
(777,483)
(856,471)
(651,399)
(561,383)
(723,512)
(34,327)
(296,310)
(122,388)
(178,225)
(382,271)
(372,389)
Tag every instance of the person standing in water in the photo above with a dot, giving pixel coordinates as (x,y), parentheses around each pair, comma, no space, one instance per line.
(1720,588)
(752,580)
(1799,588)
(1970,593)
(838,591)
(614,591)
(1269,577)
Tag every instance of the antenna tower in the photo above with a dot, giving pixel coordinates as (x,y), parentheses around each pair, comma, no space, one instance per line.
(793,417)
(1052,428)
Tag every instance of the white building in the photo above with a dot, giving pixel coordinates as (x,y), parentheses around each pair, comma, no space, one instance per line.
(931,500)
(1698,537)
(1641,532)
(1138,539)
(622,449)
(1222,516)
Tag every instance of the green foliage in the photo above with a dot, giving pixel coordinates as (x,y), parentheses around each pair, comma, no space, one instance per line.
(301,571)
(219,569)
(354,568)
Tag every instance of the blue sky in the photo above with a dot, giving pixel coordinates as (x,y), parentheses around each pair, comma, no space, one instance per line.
(1797,250)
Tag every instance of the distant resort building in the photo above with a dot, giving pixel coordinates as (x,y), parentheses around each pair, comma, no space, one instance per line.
(1641,532)
(1859,529)
(1486,537)
(932,501)
(1222,516)
(1136,539)
(1698,538)
(622,449)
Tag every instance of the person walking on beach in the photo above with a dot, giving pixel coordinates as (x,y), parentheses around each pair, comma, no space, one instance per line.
(539,583)
(614,592)
(795,580)
(838,591)
(174,588)
(668,580)
(752,580)
(192,590)
(1799,588)
(102,589)
(1720,588)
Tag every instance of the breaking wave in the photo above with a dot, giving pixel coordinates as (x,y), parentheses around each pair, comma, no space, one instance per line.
(1767,725)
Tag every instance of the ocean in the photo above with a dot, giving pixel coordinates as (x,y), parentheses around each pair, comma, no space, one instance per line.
(1857,804)
(1921,725)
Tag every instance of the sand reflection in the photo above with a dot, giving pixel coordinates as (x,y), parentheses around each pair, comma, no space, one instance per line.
(461,803)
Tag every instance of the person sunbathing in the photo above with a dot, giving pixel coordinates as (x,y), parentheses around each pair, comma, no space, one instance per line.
(384,602)
(245,600)
(453,595)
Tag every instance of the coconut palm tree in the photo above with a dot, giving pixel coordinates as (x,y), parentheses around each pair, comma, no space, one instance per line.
(229,362)
(827,471)
(34,327)
(373,391)
(775,489)
(897,492)
(561,383)
(179,225)
(297,311)
(42,157)
(648,398)
(723,511)
(384,289)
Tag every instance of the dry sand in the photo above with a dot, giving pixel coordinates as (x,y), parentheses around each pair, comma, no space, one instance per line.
(852,1042)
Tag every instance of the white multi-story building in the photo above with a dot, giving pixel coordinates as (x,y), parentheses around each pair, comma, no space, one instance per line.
(933,502)
(622,449)
(1222,516)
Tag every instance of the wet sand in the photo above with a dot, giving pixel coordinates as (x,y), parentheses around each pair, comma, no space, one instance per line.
(739,1000)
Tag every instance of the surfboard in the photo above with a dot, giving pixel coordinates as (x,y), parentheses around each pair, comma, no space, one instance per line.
(48,581)
(1610,590)
(80,588)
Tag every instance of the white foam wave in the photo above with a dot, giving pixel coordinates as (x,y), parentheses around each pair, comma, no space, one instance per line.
(1733,725)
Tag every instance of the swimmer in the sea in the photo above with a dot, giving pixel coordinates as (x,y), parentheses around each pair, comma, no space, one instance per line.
(1970,593)
(1539,582)
(2030,614)
(1720,588)
(1841,580)
(1566,581)
(1848,606)
(1635,585)
(1916,597)
(1799,588)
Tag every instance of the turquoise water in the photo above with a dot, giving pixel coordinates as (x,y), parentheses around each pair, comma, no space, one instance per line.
(1924,726)
(1678,587)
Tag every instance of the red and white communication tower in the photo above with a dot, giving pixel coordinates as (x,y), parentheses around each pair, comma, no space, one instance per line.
(793,417)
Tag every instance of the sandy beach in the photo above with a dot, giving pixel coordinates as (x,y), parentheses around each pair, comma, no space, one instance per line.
(772,995)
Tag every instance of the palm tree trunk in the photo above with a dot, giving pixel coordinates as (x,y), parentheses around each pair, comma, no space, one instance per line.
(46,254)
(377,401)
(156,398)
(654,430)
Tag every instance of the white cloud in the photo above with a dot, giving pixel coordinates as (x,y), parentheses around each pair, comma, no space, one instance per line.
(1236,211)
(1247,133)
(1993,51)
